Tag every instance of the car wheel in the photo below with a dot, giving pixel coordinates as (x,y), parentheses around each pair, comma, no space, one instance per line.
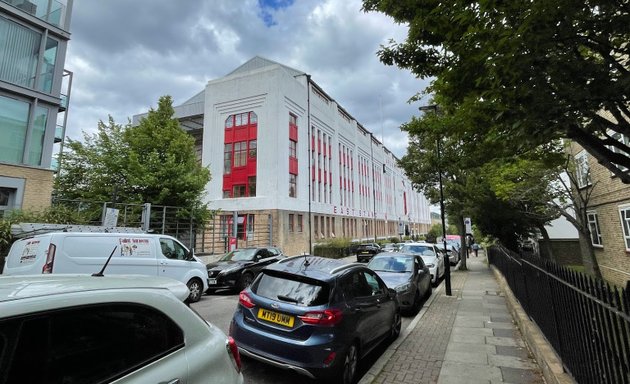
(396,326)
(196,288)
(245,281)
(349,367)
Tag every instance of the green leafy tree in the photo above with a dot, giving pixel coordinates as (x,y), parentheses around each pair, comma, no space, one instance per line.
(533,71)
(153,162)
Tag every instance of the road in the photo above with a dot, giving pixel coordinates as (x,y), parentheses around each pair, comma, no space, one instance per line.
(218,309)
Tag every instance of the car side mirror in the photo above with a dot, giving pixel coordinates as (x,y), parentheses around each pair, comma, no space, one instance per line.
(392,292)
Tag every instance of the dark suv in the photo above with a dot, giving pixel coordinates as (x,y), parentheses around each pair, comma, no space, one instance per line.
(366,251)
(315,316)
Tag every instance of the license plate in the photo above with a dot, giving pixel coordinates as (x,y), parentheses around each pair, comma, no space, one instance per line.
(212,281)
(275,317)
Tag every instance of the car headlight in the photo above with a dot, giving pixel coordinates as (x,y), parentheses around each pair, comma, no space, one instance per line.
(229,270)
(402,288)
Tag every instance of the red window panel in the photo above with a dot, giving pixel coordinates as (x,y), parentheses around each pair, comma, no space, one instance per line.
(293,165)
(293,132)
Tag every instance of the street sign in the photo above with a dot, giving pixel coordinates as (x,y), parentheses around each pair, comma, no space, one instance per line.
(468,225)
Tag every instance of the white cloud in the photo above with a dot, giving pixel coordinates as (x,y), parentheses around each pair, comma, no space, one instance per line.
(126,54)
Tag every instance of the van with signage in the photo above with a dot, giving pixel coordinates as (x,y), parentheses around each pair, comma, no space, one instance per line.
(88,253)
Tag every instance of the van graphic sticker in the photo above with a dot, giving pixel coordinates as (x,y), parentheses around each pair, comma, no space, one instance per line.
(134,247)
(29,252)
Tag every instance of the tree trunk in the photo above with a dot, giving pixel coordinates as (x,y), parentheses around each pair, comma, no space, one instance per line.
(588,255)
(547,244)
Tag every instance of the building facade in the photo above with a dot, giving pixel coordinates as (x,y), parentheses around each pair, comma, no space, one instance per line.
(291,167)
(34,92)
(608,215)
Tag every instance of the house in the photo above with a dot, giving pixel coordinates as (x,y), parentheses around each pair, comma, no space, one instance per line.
(34,93)
(291,167)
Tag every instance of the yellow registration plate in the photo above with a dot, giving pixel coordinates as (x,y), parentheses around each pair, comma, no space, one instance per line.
(275,317)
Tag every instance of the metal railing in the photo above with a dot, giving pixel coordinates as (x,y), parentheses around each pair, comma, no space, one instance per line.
(585,320)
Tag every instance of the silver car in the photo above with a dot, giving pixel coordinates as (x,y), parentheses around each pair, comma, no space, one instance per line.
(432,257)
(108,329)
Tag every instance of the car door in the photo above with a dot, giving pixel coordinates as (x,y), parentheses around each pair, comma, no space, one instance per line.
(363,307)
(172,261)
(423,275)
(384,303)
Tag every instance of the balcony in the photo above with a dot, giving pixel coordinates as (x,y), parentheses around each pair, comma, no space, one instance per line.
(58,134)
(50,11)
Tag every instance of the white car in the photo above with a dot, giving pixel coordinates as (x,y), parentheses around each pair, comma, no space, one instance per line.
(431,256)
(108,329)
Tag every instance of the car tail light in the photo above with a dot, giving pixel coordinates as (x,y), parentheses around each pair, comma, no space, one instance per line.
(325,317)
(232,349)
(50,259)
(330,358)
(245,300)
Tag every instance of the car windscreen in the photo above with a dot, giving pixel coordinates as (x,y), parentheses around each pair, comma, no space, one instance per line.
(240,255)
(391,264)
(292,289)
(418,249)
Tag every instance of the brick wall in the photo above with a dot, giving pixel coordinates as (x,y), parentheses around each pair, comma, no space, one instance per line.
(38,185)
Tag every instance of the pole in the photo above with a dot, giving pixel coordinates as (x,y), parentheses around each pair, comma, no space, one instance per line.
(447,264)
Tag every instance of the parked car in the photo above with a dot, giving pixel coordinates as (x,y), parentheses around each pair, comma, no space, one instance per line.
(431,256)
(451,251)
(365,251)
(315,316)
(108,329)
(238,268)
(87,252)
(407,274)
(389,247)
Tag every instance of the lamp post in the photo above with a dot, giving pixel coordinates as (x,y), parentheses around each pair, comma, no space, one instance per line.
(447,264)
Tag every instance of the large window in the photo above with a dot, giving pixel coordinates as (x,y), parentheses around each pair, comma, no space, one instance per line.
(624,140)
(624,213)
(19,49)
(292,149)
(13,126)
(238,191)
(253,144)
(37,136)
(227,159)
(47,69)
(593,225)
(251,185)
(582,170)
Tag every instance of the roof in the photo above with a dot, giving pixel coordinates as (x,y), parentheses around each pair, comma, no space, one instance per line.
(258,62)
(321,268)
(31,286)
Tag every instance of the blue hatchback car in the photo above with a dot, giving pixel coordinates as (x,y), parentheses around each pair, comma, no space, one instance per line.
(316,316)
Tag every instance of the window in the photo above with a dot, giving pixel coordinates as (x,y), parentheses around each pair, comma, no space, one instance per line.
(582,170)
(292,149)
(300,223)
(227,159)
(253,118)
(6,199)
(624,212)
(252,149)
(172,249)
(19,50)
(229,122)
(292,119)
(13,126)
(47,69)
(238,191)
(250,227)
(240,154)
(226,194)
(292,185)
(593,226)
(624,140)
(37,136)
(90,344)
(251,185)
(291,219)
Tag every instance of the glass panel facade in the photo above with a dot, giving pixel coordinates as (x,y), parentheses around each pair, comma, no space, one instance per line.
(47,70)
(13,125)
(19,49)
(51,11)
(37,136)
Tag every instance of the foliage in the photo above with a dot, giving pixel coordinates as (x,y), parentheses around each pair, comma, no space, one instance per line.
(153,162)
(523,73)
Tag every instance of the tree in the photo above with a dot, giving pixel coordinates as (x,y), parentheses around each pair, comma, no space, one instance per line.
(534,71)
(153,162)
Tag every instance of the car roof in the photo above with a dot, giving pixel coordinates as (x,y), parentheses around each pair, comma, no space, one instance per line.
(421,243)
(30,286)
(320,268)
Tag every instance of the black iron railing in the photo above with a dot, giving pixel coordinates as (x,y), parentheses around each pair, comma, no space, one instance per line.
(587,321)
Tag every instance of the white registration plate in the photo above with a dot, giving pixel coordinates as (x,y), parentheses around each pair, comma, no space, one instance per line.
(212,281)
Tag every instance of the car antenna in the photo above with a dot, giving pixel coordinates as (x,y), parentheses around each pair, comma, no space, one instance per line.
(100,273)
(306,263)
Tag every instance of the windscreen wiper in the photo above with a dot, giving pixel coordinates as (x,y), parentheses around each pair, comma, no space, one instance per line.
(287,298)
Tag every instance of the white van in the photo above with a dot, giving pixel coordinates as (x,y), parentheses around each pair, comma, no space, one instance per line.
(77,252)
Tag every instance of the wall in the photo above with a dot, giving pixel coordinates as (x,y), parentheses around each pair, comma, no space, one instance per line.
(37,188)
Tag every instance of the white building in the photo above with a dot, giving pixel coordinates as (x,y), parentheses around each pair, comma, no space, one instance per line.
(252,129)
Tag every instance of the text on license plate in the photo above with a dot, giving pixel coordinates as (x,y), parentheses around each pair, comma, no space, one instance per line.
(275,317)
(212,281)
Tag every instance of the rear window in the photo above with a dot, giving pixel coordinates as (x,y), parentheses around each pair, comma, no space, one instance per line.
(292,289)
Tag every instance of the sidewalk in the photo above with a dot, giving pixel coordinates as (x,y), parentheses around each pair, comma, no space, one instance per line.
(469,337)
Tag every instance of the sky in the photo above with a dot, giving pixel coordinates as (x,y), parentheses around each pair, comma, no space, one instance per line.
(125,55)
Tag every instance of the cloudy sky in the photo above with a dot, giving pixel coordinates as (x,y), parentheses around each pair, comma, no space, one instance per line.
(126,54)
